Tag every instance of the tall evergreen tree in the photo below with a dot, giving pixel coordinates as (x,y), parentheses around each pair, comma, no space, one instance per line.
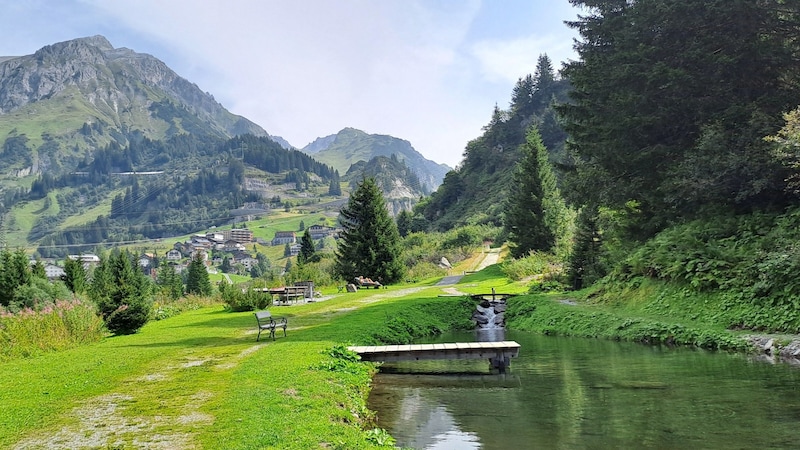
(74,275)
(15,271)
(121,293)
(369,244)
(671,101)
(170,282)
(197,281)
(536,216)
(307,250)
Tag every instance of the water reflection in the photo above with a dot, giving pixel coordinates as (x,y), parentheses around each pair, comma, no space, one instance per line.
(574,393)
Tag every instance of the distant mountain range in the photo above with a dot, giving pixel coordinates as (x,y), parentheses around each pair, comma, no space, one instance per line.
(75,114)
(350,146)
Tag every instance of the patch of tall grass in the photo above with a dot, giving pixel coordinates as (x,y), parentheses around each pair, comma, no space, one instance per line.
(57,326)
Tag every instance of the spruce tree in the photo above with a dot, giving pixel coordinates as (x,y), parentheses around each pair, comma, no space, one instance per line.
(74,275)
(307,250)
(536,215)
(369,244)
(197,281)
(121,293)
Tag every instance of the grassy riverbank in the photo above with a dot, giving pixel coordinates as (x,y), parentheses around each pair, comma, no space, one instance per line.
(199,380)
(650,312)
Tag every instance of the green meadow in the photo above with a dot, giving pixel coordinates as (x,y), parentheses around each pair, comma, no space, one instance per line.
(200,379)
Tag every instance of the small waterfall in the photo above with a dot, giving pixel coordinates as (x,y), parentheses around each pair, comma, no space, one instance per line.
(489,317)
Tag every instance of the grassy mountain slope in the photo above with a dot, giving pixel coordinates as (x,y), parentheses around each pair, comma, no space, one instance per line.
(350,146)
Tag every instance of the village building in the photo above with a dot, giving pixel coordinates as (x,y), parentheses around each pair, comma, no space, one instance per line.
(284,237)
(240,235)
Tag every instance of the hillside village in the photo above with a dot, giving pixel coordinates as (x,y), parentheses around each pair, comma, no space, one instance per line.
(212,247)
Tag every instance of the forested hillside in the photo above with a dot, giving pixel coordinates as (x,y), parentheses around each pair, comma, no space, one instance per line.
(158,189)
(475,192)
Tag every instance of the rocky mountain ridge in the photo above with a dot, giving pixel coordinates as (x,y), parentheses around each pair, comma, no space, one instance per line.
(87,81)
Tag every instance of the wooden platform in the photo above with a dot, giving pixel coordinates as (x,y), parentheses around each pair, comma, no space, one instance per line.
(498,353)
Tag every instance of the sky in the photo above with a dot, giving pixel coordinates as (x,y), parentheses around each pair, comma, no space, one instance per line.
(427,71)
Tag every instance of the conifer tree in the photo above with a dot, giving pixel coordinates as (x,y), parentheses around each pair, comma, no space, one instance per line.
(536,216)
(74,275)
(307,250)
(197,281)
(121,293)
(369,244)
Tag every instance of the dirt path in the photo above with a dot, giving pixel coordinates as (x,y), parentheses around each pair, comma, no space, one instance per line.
(489,258)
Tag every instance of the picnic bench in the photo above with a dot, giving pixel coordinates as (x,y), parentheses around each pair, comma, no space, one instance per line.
(267,322)
(285,294)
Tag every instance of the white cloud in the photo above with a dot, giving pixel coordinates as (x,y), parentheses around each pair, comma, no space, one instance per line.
(508,60)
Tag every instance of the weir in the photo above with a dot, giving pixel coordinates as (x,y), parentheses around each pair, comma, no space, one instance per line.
(499,354)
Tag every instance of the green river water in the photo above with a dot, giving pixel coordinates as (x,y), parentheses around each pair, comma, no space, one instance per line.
(565,393)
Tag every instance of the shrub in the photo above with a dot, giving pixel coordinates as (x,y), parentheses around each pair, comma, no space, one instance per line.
(57,326)
(242,298)
(534,263)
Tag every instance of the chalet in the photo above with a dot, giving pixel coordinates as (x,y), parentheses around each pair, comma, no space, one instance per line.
(295,249)
(146,260)
(248,262)
(284,237)
(174,255)
(54,272)
(232,245)
(88,259)
(184,248)
(201,242)
(320,231)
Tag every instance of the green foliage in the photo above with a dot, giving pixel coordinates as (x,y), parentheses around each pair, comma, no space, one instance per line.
(74,275)
(307,249)
(587,260)
(14,272)
(242,297)
(197,281)
(56,326)
(476,191)
(670,112)
(380,437)
(166,307)
(369,244)
(752,260)
(532,264)
(320,272)
(170,282)
(536,217)
(542,315)
(121,293)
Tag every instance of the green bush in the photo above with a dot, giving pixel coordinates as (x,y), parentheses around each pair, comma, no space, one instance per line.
(56,326)
(242,298)
(535,263)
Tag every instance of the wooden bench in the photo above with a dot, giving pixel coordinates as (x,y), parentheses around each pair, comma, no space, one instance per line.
(267,322)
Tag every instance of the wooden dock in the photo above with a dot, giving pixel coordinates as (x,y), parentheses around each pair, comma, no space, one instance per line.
(498,353)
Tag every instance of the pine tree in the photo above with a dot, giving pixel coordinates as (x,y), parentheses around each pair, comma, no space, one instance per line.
(536,215)
(121,293)
(74,275)
(15,271)
(197,281)
(170,282)
(369,244)
(307,250)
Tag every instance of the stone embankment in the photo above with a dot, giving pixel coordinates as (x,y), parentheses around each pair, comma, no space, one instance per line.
(774,347)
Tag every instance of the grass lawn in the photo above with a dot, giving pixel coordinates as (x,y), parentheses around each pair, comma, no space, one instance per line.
(200,380)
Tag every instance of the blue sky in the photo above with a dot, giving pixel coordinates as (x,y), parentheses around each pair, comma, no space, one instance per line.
(428,71)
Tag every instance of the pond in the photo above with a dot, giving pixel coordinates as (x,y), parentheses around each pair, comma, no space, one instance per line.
(565,393)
